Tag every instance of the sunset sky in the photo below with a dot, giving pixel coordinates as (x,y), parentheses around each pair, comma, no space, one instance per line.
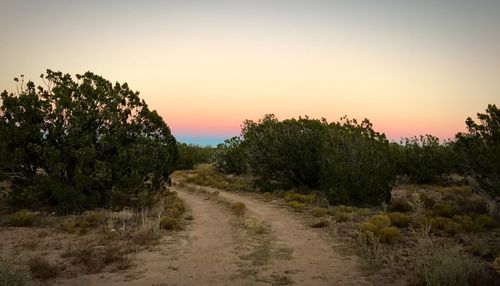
(411,67)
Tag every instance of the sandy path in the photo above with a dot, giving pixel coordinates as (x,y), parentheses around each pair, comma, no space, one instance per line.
(314,261)
(203,254)
(215,249)
(205,257)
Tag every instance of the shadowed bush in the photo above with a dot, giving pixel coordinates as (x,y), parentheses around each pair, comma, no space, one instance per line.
(81,143)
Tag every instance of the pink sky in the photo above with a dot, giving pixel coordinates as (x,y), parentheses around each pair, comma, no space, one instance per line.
(412,68)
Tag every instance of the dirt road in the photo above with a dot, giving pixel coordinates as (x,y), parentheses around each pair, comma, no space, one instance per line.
(267,246)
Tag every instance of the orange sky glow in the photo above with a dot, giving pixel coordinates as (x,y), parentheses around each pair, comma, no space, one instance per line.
(206,66)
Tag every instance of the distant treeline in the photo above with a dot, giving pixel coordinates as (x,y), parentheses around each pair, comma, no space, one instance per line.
(352,163)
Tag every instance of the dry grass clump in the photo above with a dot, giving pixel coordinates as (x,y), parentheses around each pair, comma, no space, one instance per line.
(238,208)
(170,223)
(11,275)
(444,265)
(301,198)
(379,226)
(23,218)
(321,223)
(389,234)
(41,268)
(255,227)
(267,197)
(297,206)
(341,216)
(319,212)
(207,175)
(93,256)
(82,223)
(380,220)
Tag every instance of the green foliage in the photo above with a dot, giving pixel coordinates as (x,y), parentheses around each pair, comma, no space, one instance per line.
(10,275)
(296,206)
(479,149)
(288,151)
(341,216)
(400,205)
(445,209)
(399,219)
(82,223)
(78,143)
(378,226)
(446,225)
(424,159)
(230,156)
(192,155)
(302,198)
(351,158)
(452,228)
(356,163)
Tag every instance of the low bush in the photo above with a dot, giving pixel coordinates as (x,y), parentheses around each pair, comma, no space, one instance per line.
(23,218)
(389,234)
(341,216)
(41,268)
(296,206)
(438,223)
(482,249)
(319,212)
(93,257)
(170,223)
(238,208)
(380,220)
(445,209)
(445,266)
(485,221)
(320,224)
(82,223)
(399,219)
(468,223)
(477,224)
(301,198)
(367,226)
(453,228)
(400,205)
(428,201)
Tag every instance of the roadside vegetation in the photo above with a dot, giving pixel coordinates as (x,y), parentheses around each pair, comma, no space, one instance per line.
(83,178)
(422,210)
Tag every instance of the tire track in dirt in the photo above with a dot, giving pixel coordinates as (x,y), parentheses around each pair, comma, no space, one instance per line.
(206,256)
(314,261)
(205,253)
